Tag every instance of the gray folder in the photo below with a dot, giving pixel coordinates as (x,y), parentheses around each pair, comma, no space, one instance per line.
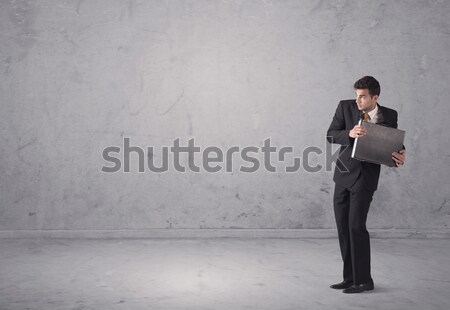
(378,144)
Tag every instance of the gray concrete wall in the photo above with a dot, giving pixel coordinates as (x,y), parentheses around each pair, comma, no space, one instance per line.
(78,76)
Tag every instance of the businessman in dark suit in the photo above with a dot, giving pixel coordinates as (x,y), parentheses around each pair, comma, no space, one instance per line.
(356,181)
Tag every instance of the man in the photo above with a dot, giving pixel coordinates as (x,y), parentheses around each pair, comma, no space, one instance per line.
(356,181)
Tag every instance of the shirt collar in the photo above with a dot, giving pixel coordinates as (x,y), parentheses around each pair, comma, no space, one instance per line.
(374,112)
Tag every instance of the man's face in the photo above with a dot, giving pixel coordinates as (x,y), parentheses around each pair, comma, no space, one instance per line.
(364,101)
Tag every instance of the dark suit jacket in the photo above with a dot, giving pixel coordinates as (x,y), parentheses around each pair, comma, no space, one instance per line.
(349,169)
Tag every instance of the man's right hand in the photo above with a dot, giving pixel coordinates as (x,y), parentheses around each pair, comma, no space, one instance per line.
(357,131)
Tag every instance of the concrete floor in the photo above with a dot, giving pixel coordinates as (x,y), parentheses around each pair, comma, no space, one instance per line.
(215,274)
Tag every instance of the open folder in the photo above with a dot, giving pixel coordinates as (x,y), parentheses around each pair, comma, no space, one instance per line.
(378,144)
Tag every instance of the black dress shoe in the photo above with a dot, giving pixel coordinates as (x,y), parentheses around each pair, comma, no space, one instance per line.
(359,288)
(342,285)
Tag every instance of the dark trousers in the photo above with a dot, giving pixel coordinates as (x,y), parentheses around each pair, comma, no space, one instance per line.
(351,206)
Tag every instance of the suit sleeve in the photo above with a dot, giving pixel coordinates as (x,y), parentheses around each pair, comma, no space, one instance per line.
(337,132)
(395,119)
(396,126)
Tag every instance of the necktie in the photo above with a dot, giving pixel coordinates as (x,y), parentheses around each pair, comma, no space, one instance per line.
(366,117)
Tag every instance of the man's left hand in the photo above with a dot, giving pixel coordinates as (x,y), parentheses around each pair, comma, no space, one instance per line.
(399,157)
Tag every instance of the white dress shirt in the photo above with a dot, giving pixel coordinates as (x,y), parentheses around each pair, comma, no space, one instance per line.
(373,115)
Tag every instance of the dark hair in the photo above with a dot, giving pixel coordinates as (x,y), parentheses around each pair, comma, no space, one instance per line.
(368,82)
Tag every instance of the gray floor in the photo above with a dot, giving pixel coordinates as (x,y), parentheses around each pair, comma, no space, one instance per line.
(216,274)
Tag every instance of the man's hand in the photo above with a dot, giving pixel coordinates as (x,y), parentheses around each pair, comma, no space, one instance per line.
(399,157)
(357,131)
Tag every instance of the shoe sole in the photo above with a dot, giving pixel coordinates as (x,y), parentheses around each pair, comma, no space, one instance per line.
(369,289)
(340,288)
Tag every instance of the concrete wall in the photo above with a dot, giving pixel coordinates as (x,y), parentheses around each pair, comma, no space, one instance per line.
(78,76)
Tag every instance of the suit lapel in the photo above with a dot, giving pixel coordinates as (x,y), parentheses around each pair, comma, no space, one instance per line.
(355,113)
(383,116)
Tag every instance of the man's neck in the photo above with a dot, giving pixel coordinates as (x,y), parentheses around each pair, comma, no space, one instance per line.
(368,111)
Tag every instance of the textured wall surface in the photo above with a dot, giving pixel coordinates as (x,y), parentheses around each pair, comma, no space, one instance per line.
(79,76)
